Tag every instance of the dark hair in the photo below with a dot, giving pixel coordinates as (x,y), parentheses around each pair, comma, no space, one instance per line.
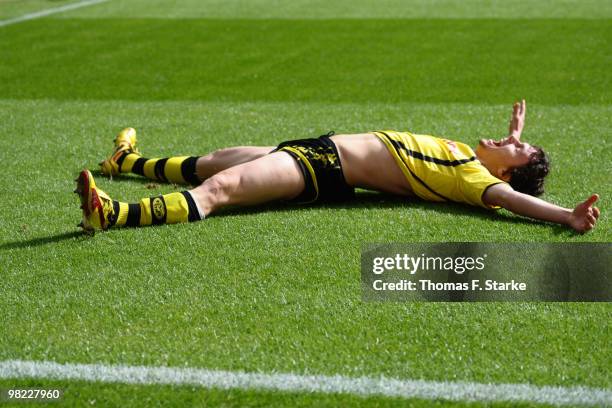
(529,179)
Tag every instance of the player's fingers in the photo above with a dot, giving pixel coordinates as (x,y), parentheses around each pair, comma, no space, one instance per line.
(596,212)
(584,227)
(523,107)
(591,200)
(591,219)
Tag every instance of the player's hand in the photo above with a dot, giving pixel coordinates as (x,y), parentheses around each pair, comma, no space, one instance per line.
(584,216)
(517,122)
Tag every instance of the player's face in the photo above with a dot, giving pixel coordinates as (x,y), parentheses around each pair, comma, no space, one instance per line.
(504,154)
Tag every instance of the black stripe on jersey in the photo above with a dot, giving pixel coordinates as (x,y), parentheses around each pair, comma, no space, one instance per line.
(421,156)
(397,146)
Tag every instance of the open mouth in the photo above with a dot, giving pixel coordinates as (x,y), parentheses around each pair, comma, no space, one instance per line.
(490,143)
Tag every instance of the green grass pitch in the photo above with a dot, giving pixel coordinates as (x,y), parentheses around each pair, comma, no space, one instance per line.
(276,288)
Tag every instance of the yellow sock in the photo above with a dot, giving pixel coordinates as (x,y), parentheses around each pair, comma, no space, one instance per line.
(179,170)
(165,209)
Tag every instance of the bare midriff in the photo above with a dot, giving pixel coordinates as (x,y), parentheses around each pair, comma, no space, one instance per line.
(367,163)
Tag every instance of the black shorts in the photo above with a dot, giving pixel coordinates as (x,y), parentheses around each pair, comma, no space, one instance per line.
(320,164)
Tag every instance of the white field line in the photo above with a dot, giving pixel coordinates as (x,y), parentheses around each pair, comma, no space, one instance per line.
(364,386)
(47,12)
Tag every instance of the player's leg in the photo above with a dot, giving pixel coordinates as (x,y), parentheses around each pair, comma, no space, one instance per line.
(219,160)
(191,170)
(102,212)
(275,176)
(180,169)
(272,177)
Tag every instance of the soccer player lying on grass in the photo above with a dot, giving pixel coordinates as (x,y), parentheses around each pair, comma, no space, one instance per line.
(506,173)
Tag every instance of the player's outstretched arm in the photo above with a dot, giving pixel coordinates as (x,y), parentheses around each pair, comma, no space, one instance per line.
(517,120)
(582,218)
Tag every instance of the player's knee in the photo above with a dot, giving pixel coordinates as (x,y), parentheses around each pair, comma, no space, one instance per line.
(218,153)
(212,159)
(221,154)
(220,186)
(213,163)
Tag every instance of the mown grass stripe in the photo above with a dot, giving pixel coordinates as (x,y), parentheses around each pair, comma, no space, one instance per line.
(48,12)
(427,61)
(365,386)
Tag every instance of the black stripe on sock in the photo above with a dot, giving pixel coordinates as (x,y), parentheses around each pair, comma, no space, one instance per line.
(121,159)
(158,210)
(138,167)
(158,170)
(188,170)
(194,214)
(133,218)
(112,220)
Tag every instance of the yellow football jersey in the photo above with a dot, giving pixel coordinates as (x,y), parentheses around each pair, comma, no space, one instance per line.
(439,169)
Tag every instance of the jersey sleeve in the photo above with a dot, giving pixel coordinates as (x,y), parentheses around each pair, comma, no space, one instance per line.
(473,182)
